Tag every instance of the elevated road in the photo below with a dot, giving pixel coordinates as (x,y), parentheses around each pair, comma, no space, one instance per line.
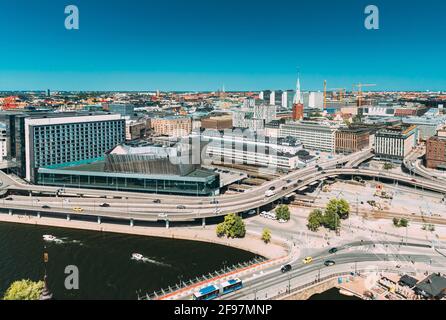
(150,207)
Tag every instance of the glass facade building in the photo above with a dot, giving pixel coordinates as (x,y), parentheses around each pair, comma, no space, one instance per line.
(197,183)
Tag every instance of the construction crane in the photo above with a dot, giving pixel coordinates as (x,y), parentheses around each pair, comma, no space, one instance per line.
(360,86)
(325,94)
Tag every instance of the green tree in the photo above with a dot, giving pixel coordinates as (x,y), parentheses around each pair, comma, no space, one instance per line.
(24,290)
(388,166)
(221,230)
(404,223)
(233,227)
(332,220)
(315,220)
(283,213)
(266,235)
(341,207)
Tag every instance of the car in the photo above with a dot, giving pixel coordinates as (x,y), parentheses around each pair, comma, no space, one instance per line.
(9,199)
(105,205)
(78,210)
(282,221)
(286,268)
(263,214)
(251,212)
(333,250)
(308,260)
(289,181)
(181,207)
(329,263)
(46,207)
(157,201)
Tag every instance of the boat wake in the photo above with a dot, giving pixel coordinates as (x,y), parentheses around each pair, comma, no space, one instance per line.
(140,258)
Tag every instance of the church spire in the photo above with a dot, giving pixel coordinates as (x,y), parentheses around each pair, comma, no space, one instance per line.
(298,96)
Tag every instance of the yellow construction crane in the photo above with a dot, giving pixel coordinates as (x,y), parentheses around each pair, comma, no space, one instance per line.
(360,86)
(325,94)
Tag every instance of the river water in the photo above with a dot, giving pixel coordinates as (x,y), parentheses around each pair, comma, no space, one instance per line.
(106,270)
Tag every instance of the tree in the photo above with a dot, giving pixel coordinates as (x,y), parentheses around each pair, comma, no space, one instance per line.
(340,207)
(283,213)
(315,220)
(233,227)
(332,220)
(221,230)
(404,223)
(396,222)
(388,166)
(266,235)
(24,290)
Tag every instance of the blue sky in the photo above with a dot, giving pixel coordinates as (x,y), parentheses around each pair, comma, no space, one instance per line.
(205,44)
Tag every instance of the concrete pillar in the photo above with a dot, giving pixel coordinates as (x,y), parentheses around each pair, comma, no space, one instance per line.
(131,223)
(203,223)
(99,220)
(68,217)
(167,224)
(10,212)
(38,215)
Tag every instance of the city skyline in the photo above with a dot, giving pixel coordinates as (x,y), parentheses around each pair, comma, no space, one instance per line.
(163,45)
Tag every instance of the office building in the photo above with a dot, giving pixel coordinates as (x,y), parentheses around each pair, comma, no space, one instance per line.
(217,122)
(50,140)
(247,148)
(393,144)
(172,126)
(351,140)
(436,151)
(319,136)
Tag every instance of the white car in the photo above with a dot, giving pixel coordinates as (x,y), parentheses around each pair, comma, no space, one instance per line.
(282,221)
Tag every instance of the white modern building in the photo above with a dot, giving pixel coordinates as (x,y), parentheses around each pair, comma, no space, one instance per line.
(319,136)
(247,149)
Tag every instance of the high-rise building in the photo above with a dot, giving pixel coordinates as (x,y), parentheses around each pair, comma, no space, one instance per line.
(287,99)
(53,140)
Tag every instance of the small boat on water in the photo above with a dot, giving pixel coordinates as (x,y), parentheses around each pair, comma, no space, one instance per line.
(50,238)
(137,257)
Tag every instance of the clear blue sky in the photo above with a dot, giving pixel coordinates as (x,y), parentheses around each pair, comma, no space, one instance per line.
(205,44)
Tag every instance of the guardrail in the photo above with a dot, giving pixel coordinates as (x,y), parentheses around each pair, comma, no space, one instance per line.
(156,295)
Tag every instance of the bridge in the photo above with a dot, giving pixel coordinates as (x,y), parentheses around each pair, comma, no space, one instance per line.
(151,207)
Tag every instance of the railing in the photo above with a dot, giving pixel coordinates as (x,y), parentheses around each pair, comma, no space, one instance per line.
(200,280)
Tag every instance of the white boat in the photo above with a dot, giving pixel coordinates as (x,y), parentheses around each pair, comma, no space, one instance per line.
(137,256)
(50,238)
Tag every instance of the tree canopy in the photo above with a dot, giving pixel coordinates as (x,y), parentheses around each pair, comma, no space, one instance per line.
(266,235)
(232,227)
(283,213)
(24,290)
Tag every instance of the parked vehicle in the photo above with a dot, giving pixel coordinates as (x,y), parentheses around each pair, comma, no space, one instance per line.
(308,260)
(329,263)
(105,205)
